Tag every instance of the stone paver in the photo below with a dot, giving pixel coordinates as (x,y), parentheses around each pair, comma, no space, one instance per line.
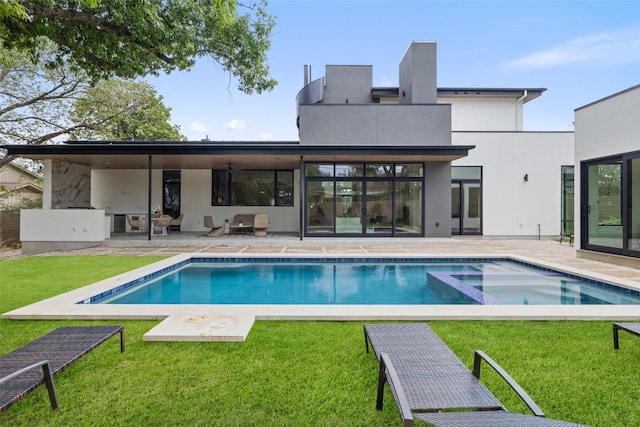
(545,250)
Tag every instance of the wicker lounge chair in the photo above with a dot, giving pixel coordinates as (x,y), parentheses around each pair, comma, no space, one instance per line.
(54,351)
(632,328)
(489,419)
(425,376)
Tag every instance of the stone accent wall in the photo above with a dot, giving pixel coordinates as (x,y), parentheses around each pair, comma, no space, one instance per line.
(71,186)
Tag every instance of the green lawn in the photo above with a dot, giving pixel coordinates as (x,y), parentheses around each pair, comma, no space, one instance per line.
(297,373)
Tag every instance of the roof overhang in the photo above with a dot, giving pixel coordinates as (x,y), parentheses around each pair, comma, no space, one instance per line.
(211,155)
(467,92)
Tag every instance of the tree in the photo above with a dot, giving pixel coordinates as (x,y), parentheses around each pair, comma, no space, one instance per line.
(35,100)
(43,105)
(132,38)
(142,116)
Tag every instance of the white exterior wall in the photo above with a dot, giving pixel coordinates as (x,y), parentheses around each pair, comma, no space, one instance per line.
(605,128)
(484,114)
(511,206)
(608,127)
(125,192)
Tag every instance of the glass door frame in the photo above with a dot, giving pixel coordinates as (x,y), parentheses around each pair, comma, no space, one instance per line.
(461,185)
(625,160)
(364,181)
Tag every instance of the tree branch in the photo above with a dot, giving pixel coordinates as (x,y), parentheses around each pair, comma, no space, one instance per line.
(122,30)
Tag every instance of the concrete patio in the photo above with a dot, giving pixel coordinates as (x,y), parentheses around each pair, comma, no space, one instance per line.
(547,250)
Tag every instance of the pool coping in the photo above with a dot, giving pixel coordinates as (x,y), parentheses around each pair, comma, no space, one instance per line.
(64,306)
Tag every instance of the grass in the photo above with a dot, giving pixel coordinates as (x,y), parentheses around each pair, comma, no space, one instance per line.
(297,373)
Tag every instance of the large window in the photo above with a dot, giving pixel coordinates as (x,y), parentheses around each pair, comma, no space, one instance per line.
(364,199)
(252,187)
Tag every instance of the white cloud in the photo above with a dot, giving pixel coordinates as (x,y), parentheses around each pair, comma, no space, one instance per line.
(607,47)
(265,136)
(236,124)
(386,81)
(198,127)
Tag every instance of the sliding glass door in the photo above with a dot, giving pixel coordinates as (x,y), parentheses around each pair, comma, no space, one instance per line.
(610,205)
(356,199)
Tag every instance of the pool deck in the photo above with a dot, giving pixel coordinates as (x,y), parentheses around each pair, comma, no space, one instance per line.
(233,322)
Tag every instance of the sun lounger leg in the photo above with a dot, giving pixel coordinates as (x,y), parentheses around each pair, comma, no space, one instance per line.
(51,388)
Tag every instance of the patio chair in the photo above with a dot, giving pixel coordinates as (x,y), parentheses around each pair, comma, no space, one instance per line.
(162,223)
(632,328)
(424,375)
(216,230)
(174,224)
(260,225)
(54,352)
(135,224)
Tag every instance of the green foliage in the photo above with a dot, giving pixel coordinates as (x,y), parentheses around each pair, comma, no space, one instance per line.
(44,104)
(124,110)
(23,203)
(302,373)
(37,99)
(129,38)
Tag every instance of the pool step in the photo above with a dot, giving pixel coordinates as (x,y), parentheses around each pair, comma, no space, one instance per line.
(202,327)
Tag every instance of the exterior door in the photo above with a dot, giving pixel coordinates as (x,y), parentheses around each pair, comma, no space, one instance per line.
(349,207)
(603,210)
(379,207)
(171,193)
(466,207)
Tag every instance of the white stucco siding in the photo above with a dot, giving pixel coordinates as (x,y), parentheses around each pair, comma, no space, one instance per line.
(124,191)
(608,127)
(511,205)
(484,114)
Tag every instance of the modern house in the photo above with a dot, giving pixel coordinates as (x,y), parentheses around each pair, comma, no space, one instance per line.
(409,161)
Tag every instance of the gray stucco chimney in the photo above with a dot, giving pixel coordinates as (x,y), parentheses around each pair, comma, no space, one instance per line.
(418,74)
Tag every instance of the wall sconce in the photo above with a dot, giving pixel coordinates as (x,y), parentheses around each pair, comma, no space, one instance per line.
(526,177)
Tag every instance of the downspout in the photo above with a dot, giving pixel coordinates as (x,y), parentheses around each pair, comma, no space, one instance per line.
(518,101)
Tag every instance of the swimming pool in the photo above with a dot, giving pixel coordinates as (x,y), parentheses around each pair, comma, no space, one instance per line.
(367,281)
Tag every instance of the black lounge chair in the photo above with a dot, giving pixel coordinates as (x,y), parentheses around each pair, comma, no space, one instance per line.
(426,377)
(632,328)
(489,419)
(55,351)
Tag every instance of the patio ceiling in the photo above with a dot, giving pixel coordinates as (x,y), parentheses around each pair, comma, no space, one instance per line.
(198,155)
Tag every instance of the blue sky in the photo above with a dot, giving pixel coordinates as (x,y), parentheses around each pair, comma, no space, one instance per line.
(581,51)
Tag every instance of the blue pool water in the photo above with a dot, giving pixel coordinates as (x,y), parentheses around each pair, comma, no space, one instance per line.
(369,282)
